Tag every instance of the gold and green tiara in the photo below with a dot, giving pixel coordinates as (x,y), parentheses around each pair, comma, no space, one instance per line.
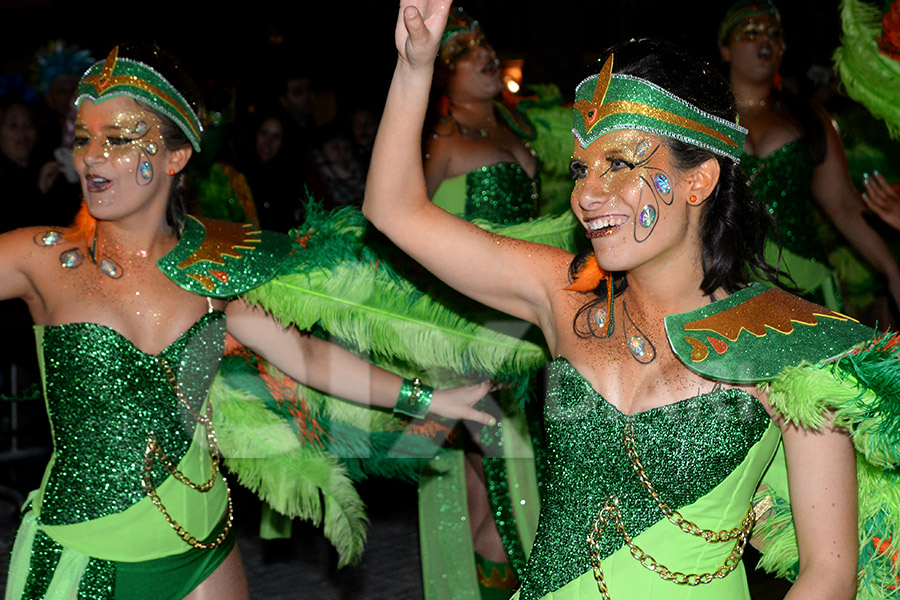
(610,101)
(126,77)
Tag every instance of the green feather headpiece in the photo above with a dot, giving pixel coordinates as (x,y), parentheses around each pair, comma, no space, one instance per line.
(126,77)
(609,101)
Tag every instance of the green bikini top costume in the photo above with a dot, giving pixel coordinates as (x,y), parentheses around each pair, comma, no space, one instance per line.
(705,456)
(502,194)
(781,180)
(106,398)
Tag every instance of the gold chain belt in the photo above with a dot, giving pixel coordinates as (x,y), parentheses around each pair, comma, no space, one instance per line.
(611,512)
(153,451)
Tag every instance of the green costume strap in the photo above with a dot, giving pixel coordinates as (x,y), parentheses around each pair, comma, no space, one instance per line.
(755,333)
(116,77)
(222,259)
(610,101)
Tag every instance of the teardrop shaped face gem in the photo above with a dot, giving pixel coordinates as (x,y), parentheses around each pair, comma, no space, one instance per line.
(637,345)
(661,181)
(647,217)
(642,149)
(146,170)
(70,259)
(48,238)
(140,128)
(600,317)
(109,268)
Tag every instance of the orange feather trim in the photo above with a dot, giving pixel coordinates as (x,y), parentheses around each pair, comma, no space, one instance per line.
(84,226)
(589,276)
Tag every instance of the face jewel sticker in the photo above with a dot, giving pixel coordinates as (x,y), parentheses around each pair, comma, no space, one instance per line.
(151,148)
(647,216)
(642,149)
(146,170)
(661,181)
(600,318)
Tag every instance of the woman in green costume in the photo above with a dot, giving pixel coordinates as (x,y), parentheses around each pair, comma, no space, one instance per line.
(477,161)
(478,165)
(794,158)
(131,306)
(657,439)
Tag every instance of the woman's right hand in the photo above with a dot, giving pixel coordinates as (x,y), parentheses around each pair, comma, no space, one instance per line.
(420,26)
(882,199)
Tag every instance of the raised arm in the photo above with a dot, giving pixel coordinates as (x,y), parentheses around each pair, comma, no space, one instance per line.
(331,369)
(833,190)
(509,275)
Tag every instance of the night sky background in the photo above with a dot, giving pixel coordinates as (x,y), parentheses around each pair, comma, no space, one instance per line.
(348,46)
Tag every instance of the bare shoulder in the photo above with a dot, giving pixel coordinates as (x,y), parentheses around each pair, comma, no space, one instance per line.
(24,255)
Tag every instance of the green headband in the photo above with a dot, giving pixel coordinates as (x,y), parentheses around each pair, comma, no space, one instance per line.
(745,9)
(459,23)
(125,77)
(607,102)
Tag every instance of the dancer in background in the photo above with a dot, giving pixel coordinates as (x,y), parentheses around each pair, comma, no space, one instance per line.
(794,158)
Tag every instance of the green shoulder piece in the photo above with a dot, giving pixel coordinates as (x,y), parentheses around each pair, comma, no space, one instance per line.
(752,335)
(222,259)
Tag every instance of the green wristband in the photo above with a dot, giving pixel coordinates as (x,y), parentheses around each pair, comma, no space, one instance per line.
(414,399)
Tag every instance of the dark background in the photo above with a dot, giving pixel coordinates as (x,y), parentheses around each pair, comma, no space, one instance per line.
(348,46)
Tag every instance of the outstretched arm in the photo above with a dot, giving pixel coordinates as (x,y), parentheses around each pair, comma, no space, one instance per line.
(832,188)
(509,275)
(329,368)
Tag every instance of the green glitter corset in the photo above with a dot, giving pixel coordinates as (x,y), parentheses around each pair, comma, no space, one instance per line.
(687,449)
(103,397)
(503,194)
(781,181)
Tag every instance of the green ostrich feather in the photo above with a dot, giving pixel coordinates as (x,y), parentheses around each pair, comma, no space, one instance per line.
(869,76)
(860,391)
(348,281)
(296,479)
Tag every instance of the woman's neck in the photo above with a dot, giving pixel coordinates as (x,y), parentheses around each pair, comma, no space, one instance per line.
(117,238)
(749,94)
(473,112)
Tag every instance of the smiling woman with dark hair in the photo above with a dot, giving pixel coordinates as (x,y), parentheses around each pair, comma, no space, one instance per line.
(678,387)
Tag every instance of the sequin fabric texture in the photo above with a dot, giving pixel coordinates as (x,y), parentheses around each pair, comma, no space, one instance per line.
(502,194)
(687,448)
(781,181)
(104,396)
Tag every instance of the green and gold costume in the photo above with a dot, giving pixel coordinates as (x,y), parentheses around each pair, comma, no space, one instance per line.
(93,530)
(707,456)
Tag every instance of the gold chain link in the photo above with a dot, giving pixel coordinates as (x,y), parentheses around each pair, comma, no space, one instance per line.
(153,451)
(611,512)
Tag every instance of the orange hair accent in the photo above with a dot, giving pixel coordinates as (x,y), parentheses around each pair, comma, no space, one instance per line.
(84,226)
(589,276)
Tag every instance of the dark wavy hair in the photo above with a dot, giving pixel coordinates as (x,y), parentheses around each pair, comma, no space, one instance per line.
(170,67)
(734,223)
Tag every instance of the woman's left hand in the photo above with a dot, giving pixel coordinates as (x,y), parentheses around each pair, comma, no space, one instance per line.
(420,25)
(882,199)
(458,403)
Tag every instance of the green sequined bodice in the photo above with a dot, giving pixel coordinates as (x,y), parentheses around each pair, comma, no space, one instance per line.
(104,396)
(687,449)
(503,194)
(781,181)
